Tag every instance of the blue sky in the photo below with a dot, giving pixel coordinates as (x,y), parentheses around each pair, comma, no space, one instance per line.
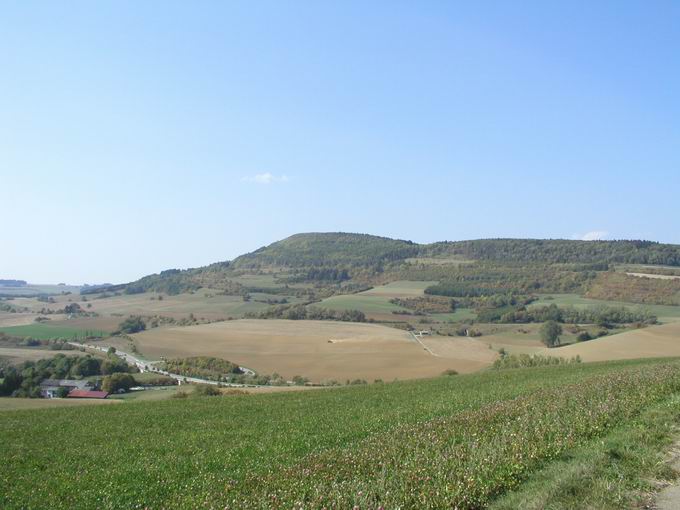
(140,136)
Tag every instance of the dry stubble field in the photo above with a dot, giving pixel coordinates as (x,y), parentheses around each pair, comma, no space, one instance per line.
(651,342)
(319,350)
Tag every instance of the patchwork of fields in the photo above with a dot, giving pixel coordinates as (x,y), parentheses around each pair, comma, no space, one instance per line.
(375,302)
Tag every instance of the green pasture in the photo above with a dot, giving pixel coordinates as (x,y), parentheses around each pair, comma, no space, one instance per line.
(362,302)
(49,331)
(400,443)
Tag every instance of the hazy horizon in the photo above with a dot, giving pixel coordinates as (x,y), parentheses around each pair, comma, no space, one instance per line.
(137,137)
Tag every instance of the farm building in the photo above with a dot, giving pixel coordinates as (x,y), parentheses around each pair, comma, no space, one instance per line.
(49,388)
(87,394)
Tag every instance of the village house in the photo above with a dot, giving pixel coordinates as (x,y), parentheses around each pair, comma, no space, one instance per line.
(49,388)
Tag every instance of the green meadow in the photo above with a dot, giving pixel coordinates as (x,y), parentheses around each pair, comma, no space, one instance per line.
(466,441)
(49,331)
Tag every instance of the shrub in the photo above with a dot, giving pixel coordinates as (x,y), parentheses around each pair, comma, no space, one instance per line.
(131,325)
(584,337)
(206,390)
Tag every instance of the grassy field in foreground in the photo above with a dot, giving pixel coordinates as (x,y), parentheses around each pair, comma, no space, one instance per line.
(465,441)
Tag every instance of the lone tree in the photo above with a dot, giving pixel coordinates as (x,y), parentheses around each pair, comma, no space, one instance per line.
(550,333)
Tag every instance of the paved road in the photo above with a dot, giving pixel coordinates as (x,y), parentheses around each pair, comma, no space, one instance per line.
(148,366)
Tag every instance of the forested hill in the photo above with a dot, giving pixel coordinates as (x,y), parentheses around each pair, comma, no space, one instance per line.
(340,256)
(561,251)
(329,249)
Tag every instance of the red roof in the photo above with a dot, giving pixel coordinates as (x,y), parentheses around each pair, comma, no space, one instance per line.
(87,394)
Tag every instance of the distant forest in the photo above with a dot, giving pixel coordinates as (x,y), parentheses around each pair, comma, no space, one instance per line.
(13,283)
(331,262)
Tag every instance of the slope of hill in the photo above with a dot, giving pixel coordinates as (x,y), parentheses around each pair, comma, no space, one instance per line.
(328,249)
(562,251)
(653,342)
(335,257)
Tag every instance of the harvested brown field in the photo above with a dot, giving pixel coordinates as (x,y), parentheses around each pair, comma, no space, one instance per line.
(463,354)
(16,319)
(319,350)
(651,342)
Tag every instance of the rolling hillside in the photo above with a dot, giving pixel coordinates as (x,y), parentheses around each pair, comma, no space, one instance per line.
(334,257)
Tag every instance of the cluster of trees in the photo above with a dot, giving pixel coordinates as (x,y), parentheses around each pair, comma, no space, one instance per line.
(55,344)
(329,250)
(562,251)
(485,279)
(170,281)
(221,370)
(203,367)
(115,383)
(426,304)
(493,301)
(601,315)
(304,312)
(24,380)
(327,274)
(133,324)
(614,286)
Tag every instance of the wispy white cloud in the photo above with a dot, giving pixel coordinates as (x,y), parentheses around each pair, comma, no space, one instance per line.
(265,178)
(595,235)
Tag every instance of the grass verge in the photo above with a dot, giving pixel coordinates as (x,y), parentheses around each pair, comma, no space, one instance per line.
(623,469)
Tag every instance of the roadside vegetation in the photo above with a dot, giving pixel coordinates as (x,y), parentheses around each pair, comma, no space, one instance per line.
(203,367)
